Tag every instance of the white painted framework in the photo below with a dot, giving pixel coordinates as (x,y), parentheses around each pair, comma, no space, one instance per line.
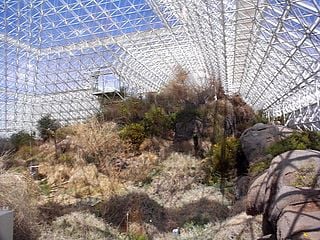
(53,52)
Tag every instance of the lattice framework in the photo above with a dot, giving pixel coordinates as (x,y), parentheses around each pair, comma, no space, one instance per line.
(53,52)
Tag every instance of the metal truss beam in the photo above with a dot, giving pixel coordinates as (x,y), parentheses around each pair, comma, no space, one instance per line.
(52,53)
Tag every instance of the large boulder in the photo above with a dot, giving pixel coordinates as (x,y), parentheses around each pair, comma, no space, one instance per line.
(255,140)
(256,195)
(288,195)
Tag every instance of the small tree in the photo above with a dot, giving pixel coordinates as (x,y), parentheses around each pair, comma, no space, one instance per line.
(20,139)
(47,126)
(157,123)
(134,133)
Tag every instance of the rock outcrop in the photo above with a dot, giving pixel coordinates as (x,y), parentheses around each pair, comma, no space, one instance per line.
(288,195)
(256,139)
(188,136)
(254,143)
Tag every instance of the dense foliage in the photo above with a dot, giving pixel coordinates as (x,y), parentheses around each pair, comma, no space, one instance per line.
(157,122)
(296,141)
(47,126)
(20,139)
(182,110)
(134,133)
(225,165)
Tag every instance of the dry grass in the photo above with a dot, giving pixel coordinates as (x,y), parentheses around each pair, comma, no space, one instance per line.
(239,227)
(140,169)
(70,183)
(179,173)
(78,226)
(99,143)
(19,193)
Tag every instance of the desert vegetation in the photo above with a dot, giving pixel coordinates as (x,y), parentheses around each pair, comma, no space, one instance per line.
(140,168)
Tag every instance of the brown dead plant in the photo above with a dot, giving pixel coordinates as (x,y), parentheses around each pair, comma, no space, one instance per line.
(19,193)
(99,143)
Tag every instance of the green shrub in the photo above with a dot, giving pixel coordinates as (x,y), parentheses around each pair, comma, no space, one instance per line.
(296,141)
(188,113)
(306,177)
(132,110)
(134,236)
(45,188)
(66,158)
(47,126)
(216,166)
(259,167)
(20,139)
(134,133)
(261,118)
(157,123)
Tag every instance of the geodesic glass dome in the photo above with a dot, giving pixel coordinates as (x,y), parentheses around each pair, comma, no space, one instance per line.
(55,54)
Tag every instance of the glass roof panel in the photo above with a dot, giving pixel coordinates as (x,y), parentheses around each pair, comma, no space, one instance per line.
(51,51)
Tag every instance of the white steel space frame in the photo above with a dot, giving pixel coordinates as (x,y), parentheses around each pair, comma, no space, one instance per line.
(53,53)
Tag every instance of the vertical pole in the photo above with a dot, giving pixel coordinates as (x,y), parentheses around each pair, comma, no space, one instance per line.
(127,222)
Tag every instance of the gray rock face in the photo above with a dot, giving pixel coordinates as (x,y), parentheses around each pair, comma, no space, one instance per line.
(188,136)
(288,194)
(299,221)
(256,195)
(256,139)
(241,186)
(186,130)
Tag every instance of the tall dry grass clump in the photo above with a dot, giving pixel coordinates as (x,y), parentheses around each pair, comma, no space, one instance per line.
(99,143)
(78,225)
(179,173)
(19,193)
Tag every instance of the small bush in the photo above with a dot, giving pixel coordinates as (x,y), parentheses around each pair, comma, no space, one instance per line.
(215,165)
(134,133)
(90,142)
(63,132)
(306,177)
(259,167)
(5,145)
(26,152)
(47,126)
(179,173)
(99,143)
(66,158)
(157,123)
(141,169)
(261,118)
(188,113)
(132,110)
(78,226)
(134,236)
(20,139)
(45,188)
